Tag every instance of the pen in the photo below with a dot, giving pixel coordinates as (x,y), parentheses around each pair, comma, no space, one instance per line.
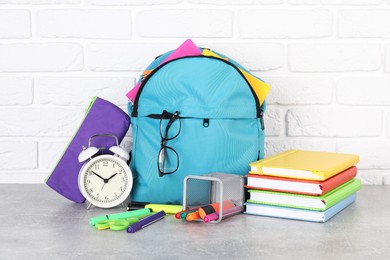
(226,204)
(183,215)
(146,222)
(185,212)
(178,214)
(122,215)
(225,214)
(192,216)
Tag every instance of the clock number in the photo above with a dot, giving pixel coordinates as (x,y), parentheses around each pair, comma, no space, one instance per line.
(106,197)
(88,181)
(115,195)
(122,179)
(96,166)
(91,190)
(97,195)
(90,174)
(113,165)
(105,164)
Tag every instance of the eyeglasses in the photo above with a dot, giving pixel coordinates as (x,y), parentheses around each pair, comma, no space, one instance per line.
(168,158)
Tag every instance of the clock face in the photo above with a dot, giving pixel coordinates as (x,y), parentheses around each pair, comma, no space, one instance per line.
(105,181)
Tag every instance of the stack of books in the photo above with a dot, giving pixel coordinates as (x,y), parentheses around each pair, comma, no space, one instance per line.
(303,185)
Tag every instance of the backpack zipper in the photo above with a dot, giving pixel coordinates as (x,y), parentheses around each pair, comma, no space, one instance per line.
(259,112)
(261,118)
(206,121)
(160,116)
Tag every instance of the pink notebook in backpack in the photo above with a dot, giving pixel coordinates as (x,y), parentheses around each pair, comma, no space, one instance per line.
(187,48)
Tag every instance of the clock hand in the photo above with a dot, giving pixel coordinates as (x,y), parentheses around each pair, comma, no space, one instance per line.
(112,176)
(106,180)
(99,176)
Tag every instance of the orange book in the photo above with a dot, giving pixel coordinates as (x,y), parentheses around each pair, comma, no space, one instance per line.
(299,186)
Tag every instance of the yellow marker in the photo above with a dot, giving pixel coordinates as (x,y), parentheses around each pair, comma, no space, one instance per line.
(169,209)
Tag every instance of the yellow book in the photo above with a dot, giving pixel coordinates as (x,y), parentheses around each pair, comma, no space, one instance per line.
(307,165)
(259,87)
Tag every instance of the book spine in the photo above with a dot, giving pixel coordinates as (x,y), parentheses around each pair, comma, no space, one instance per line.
(349,188)
(338,180)
(331,212)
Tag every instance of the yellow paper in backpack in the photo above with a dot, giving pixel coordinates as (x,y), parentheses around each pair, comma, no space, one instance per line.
(260,88)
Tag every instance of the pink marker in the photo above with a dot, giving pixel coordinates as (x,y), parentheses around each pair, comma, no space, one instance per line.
(225,214)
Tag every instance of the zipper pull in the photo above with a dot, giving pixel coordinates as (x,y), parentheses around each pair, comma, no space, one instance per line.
(206,122)
(145,74)
(261,114)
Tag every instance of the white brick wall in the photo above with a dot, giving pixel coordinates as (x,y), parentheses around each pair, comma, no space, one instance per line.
(16,91)
(353,23)
(15,24)
(208,23)
(335,57)
(42,56)
(328,62)
(307,23)
(90,23)
(77,91)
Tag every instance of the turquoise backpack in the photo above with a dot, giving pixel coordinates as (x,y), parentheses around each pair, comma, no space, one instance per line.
(192,115)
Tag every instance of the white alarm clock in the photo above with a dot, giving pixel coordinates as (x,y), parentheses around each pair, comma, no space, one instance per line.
(105,180)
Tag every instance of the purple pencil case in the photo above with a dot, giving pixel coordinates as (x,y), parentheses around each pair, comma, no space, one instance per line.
(102,117)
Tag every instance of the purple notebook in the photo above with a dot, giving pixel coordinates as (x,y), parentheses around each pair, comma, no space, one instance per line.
(102,117)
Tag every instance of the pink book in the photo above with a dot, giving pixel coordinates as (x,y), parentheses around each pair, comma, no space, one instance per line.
(187,48)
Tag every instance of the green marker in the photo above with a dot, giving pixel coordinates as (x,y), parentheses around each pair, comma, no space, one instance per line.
(118,224)
(122,215)
(183,215)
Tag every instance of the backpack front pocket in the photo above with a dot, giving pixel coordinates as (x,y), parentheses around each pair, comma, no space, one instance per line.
(193,146)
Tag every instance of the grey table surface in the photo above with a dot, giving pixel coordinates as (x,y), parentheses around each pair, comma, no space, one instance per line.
(37,223)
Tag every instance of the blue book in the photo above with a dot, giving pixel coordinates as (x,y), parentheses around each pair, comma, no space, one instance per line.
(299,214)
